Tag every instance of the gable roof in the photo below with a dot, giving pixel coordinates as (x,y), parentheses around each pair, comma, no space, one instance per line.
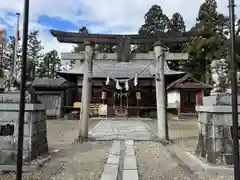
(185,83)
(51,83)
(120,69)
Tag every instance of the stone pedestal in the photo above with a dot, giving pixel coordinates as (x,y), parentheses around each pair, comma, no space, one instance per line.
(35,137)
(214,125)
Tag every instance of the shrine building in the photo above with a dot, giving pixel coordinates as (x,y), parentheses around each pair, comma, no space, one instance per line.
(128,87)
(183,91)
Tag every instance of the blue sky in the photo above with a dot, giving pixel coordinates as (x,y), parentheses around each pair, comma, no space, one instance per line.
(100,16)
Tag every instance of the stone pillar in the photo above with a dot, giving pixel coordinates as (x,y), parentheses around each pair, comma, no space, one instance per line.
(160,93)
(86,92)
(215,143)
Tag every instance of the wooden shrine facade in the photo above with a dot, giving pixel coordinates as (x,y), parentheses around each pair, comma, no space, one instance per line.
(185,93)
(139,100)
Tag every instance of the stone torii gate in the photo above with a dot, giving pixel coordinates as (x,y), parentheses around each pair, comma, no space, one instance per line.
(90,39)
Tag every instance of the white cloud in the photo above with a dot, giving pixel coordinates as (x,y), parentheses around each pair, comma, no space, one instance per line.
(119,16)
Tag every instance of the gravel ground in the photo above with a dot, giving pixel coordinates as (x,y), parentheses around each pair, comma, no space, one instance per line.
(190,146)
(69,161)
(154,162)
(177,129)
(184,135)
(79,162)
(61,133)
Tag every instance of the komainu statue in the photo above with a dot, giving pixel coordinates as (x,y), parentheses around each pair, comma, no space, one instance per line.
(219,70)
(12,84)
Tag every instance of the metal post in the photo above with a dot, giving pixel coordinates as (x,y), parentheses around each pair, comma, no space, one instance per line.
(234,87)
(86,92)
(16,46)
(160,94)
(22,91)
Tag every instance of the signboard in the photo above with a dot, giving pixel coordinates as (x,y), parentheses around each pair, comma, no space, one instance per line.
(102,110)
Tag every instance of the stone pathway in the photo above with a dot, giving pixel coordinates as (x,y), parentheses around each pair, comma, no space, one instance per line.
(130,170)
(121,163)
(121,129)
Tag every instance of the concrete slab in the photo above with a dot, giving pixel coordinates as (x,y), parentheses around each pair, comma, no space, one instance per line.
(130,163)
(130,174)
(129,151)
(122,130)
(129,143)
(113,159)
(115,149)
(110,172)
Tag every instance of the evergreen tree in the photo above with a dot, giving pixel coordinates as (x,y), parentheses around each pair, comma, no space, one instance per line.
(50,64)
(211,42)
(155,22)
(34,54)
(105,48)
(7,54)
(176,23)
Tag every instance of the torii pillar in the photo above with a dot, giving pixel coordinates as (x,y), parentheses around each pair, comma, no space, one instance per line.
(161,93)
(86,92)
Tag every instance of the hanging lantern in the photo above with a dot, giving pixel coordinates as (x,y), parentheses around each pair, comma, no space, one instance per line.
(108,80)
(126,85)
(118,86)
(138,95)
(135,80)
(104,94)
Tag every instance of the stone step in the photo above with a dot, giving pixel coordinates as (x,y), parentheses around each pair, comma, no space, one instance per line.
(130,174)
(130,170)
(111,167)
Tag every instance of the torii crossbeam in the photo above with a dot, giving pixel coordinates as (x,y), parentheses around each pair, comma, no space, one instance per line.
(76,37)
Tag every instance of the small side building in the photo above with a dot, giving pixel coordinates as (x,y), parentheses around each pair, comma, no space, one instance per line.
(184,94)
(58,95)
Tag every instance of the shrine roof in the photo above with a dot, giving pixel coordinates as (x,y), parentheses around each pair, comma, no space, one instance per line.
(188,82)
(120,70)
(51,83)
